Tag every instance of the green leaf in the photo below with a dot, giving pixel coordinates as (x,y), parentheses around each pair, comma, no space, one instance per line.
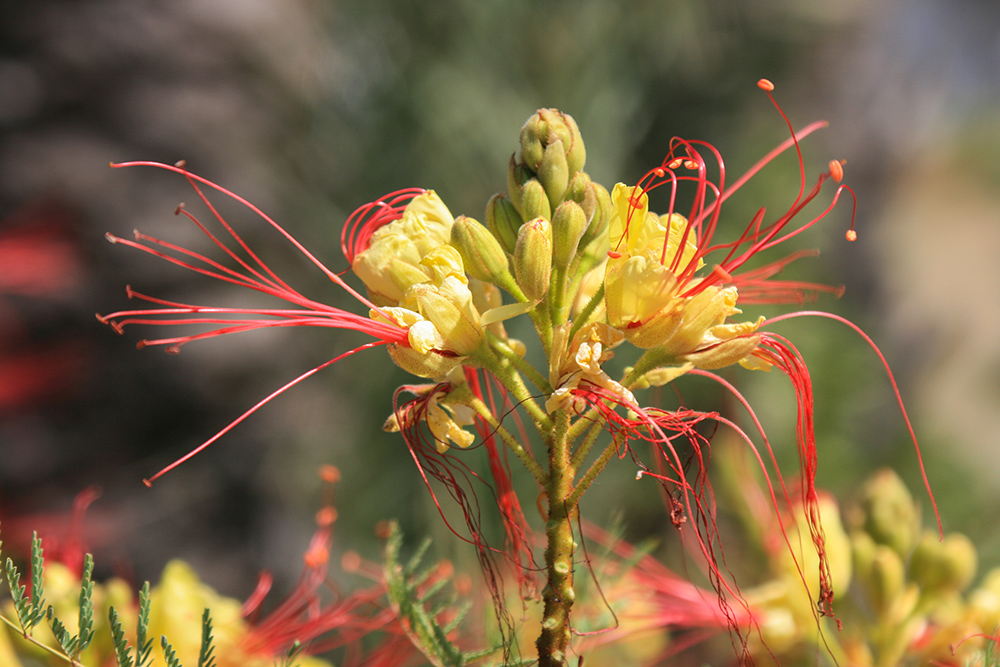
(205,658)
(118,638)
(143,646)
(169,655)
(86,619)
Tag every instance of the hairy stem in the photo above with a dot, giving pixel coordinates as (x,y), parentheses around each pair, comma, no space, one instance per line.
(558,595)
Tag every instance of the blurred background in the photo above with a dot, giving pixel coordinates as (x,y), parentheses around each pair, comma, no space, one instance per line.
(311,109)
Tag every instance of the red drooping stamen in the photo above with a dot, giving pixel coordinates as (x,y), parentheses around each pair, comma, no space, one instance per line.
(519,539)
(365,221)
(895,390)
(457,478)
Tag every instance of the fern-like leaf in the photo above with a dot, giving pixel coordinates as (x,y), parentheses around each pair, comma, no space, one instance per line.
(37,580)
(22,605)
(169,654)
(293,653)
(403,587)
(206,657)
(86,619)
(67,642)
(143,646)
(122,653)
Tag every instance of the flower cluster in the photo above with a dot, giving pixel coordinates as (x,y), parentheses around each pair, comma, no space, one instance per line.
(598,272)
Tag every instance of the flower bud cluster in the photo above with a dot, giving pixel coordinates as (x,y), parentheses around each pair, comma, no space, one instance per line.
(908,603)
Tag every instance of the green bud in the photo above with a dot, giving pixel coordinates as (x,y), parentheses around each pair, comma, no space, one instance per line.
(532,145)
(517,176)
(890,515)
(544,128)
(568,224)
(481,252)
(886,578)
(533,258)
(581,190)
(534,201)
(553,172)
(602,215)
(503,221)
(943,565)
(576,153)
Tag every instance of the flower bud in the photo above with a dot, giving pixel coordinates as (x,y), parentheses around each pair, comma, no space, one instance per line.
(581,190)
(885,578)
(481,252)
(533,258)
(553,172)
(602,215)
(532,146)
(503,221)
(517,175)
(568,224)
(889,513)
(943,565)
(544,128)
(534,201)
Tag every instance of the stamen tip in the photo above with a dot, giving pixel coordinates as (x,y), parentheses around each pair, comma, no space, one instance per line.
(180,207)
(851,235)
(173,349)
(836,170)
(614,255)
(765,84)
(639,475)
(180,164)
(148,482)
(329,473)
(111,237)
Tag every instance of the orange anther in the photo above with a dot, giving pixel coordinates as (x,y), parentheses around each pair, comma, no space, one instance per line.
(836,170)
(329,473)
(614,255)
(765,84)
(326,516)
(316,557)
(722,273)
(675,163)
(659,172)
(690,164)
(350,561)
(851,235)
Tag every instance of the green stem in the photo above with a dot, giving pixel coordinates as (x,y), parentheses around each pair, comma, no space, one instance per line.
(508,376)
(580,455)
(595,469)
(557,296)
(587,311)
(518,362)
(559,594)
(519,451)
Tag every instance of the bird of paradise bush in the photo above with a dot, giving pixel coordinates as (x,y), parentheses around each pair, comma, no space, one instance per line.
(597,272)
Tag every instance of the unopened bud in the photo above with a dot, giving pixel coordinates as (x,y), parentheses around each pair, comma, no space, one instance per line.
(481,252)
(534,201)
(886,578)
(533,258)
(517,175)
(602,215)
(568,224)
(890,515)
(503,221)
(553,172)
(581,190)
(532,146)
(943,565)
